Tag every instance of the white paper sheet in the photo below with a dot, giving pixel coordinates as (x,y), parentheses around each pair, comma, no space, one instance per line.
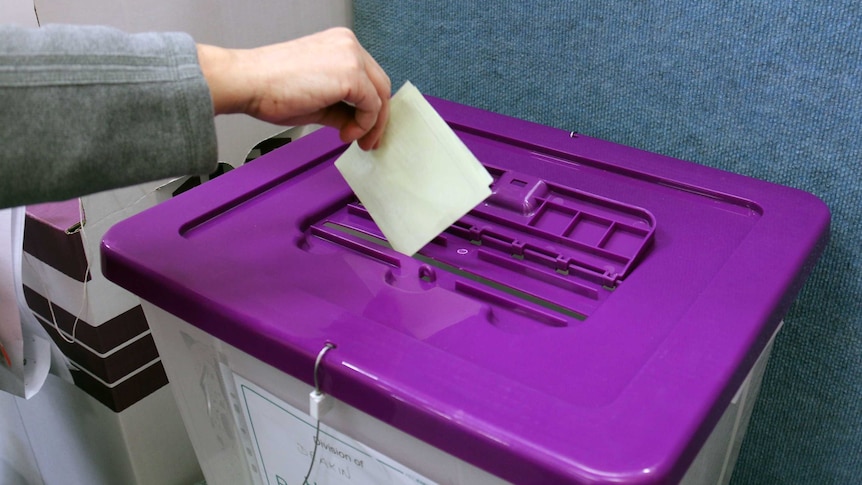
(10,322)
(24,341)
(420,180)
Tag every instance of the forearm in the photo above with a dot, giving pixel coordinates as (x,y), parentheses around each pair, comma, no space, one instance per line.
(89,109)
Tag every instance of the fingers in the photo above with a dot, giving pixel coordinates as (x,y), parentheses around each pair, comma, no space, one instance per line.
(384,90)
(371,140)
(343,117)
(326,78)
(371,103)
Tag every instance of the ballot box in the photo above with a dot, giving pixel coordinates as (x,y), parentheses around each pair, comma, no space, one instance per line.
(604,316)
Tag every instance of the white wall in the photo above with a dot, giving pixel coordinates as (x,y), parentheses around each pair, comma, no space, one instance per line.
(19,12)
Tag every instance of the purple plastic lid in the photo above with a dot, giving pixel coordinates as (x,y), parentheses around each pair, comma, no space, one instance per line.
(588,323)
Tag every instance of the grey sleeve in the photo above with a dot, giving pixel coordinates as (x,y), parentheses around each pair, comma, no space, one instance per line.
(85,109)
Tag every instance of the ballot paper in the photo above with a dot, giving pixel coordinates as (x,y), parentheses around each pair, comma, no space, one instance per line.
(421,178)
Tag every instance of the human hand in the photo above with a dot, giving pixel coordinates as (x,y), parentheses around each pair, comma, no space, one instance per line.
(326,78)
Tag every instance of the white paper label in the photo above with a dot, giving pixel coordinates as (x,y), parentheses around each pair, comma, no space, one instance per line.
(26,347)
(283,438)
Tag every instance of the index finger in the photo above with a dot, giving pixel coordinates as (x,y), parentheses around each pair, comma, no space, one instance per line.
(370,101)
(384,88)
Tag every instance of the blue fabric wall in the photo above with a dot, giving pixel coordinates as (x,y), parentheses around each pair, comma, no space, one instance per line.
(770,89)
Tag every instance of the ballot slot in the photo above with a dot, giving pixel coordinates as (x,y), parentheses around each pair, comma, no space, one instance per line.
(349,237)
(532,245)
(491,291)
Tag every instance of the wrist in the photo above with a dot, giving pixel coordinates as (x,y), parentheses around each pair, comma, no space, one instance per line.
(219,69)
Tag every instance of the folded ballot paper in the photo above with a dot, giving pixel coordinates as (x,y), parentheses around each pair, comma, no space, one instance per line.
(420,180)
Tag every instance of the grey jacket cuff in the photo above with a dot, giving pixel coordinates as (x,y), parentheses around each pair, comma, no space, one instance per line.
(87,109)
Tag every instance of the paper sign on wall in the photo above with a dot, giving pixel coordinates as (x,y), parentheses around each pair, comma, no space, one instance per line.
(26,348)
(283,439)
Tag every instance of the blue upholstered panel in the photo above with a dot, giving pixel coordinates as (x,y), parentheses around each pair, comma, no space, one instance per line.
(770,89)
